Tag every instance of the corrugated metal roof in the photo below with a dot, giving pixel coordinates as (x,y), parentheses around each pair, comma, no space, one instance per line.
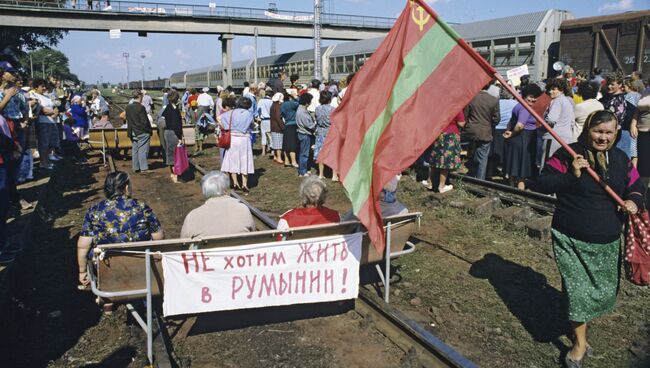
(357,47)
(516,25)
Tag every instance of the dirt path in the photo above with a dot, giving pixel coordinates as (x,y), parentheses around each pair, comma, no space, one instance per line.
(48,321)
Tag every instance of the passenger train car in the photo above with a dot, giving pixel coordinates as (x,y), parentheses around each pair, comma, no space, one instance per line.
(532,39)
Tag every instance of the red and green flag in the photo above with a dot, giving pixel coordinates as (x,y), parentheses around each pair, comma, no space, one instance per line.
(399,102)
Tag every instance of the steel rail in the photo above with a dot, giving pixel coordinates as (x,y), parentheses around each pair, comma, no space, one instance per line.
(539,202)
(505,188)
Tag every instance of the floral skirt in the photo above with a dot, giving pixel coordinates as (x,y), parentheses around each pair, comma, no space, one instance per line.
(321,134)
(446,152)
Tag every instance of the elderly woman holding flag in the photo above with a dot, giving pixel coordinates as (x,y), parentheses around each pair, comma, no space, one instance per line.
(587,224)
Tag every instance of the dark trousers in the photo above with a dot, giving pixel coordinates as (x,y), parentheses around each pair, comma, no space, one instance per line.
(140,151)
(303,154)
(4,204)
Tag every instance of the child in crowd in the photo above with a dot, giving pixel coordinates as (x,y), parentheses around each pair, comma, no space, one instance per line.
(70,144)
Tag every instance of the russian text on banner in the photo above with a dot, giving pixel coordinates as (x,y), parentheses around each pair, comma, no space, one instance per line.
(262,275)
(398,103)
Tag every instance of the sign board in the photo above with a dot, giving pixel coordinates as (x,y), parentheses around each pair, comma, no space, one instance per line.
(298,18)
(212,5)
(515,74)
(140,9)
(262,275)
(114,34)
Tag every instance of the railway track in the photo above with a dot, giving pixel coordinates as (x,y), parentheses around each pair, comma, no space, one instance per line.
(403,332)
(408,335)
(540,203)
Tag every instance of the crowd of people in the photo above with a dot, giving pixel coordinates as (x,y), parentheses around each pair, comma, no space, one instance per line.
(291,124)
(506,141)
(43,120)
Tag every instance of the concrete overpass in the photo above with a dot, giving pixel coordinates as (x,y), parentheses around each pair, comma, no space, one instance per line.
(185,18)
(143,17)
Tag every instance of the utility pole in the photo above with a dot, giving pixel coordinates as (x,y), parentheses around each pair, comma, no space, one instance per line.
(255,60)
(317,39)
(273,8)
(142,55)
(43,63)
(126,58)
(31,65)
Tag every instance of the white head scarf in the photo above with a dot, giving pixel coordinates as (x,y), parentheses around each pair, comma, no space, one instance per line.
(278,97)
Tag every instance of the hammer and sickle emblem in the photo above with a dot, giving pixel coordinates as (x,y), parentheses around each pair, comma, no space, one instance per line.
(422,20)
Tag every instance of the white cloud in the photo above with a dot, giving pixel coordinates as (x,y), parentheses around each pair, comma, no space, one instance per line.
(620,5)
(106,59)
(248,50)
(181,54)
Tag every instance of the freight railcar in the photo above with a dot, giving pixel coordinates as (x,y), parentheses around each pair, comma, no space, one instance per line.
(612,42)
(155,84)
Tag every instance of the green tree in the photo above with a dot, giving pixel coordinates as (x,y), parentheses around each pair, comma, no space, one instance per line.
(47,62)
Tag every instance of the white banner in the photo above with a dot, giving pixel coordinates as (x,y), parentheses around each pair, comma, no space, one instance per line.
(514,75)
(300,18)
(262,275)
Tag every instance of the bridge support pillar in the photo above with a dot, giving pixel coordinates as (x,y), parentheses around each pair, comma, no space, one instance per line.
(226,58)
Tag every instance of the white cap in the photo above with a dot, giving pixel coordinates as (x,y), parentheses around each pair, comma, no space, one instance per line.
(206,89)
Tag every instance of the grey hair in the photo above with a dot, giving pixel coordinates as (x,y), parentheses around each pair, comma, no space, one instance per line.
(215,184)
(313,191)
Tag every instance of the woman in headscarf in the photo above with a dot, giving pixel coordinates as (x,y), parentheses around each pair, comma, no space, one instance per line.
(277,128)
(587,223)
(80,117)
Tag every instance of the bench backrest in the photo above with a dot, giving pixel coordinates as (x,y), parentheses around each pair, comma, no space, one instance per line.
(114,138)
(120,271)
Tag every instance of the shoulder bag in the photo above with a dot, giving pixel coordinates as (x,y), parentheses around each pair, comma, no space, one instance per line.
(224,135)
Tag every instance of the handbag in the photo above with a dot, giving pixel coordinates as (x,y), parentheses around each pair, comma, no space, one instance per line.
(637,248)
(181,163)
(224,135)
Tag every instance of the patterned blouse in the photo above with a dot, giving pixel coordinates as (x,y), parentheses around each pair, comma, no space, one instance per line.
(120,220)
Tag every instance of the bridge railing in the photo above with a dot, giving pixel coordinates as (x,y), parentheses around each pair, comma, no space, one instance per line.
(190,10)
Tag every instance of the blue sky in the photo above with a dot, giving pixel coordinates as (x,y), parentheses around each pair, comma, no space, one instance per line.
(93,55)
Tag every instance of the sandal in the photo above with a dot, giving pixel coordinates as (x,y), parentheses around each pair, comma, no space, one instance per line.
(570,363)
